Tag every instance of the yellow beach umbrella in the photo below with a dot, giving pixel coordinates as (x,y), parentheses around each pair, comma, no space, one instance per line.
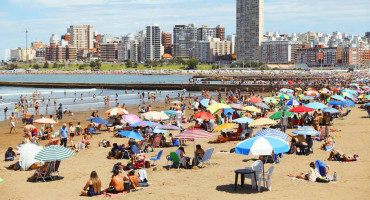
(298,89)
(252,109)
(217,106)
(224,127)
(263,122)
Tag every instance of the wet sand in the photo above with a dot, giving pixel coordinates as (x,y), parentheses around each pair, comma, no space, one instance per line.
(211,182)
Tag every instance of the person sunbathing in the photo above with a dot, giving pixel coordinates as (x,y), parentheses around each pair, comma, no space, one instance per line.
(116,184)
(328,144)
(199,153)
(39,170)
(339,156)
(221,138)
(312,174)
(134,179)
(93,186)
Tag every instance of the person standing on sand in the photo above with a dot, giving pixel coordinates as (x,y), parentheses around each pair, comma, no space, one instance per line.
(12,121)
(283,122)
(63,134)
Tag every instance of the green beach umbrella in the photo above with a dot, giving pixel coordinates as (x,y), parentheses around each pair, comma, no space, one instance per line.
(278,115)
(367,96)
(270,99)
(53,153)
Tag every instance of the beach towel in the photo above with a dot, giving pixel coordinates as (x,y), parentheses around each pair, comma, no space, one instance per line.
(112,195)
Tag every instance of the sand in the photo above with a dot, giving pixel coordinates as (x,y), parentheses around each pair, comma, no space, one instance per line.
(211,182)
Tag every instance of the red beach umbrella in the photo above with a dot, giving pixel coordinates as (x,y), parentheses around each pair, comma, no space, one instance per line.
(301,109)
(203,115)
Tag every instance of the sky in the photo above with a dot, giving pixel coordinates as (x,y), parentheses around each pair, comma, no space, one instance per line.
(119,17)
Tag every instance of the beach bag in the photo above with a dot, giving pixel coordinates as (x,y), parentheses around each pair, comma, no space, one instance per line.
(147,164)
(130,166)
(125,155)
(322,180)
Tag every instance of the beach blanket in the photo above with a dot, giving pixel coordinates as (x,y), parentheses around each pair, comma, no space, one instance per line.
(112,195)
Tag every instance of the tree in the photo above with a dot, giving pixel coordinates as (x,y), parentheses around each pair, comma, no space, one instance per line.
(148,62)
(46,65)
(192,63)
(12,66)
(36,66)
(92,64)
(129,63)
(136,65)
(55,65)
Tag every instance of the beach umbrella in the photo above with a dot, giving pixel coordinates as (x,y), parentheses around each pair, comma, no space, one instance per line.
(236,106)
(224,127)
(27,155)
(262,146)
(262,105)
(285,108)
(311,93)
(116,111)
(205,102)
(316,105)
(252,109)
(272,133)
(368,104)
(283,96)
(155,115)
(255,100)
(336,103)
(131,134)
(354,85)
(336,89)
(278,115)
(299,89)
(131,118)
(367,96)
(145,124)
(270,99)
(54,153)
(337,97)
(349,91)
(45,121)
(243,120)
(217,106)
(159,131)
(325,90)
(349,103)
(361,96)
(285,90)
(176,102)
(350,96)
(305,130)
(97,120)
(307,98)
(301,109)
(293,102)
(330,110)
(170,112)
(191,134)
(203,115)
(168,127)
(263,122)
(18,148)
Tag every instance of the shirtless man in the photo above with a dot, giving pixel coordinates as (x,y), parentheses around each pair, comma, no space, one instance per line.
(12,121)
(116,183)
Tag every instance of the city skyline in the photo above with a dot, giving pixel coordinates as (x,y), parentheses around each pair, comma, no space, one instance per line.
(45,17)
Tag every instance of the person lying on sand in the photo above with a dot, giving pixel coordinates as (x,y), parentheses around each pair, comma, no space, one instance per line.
(328,144)
(339,156)
(311,175)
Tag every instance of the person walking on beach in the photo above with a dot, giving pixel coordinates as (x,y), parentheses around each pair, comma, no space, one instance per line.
(5,111)
(63,134)
(283,122)
(12,121)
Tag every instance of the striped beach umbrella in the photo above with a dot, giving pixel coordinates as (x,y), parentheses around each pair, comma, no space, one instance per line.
(261,146)
(272,133)
(116,111)
(293,102)
(305,130)
(191,134)
(53,153)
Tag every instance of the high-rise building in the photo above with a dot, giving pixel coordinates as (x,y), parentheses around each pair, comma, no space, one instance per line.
(153,42)
(141,35)
(212,50)
(81,36)
(108,52)
(249,30)
(56,52)
(22,54)
(185,39)
(220,32)
(206,33)
(279,52)
(232,39)
(167,42)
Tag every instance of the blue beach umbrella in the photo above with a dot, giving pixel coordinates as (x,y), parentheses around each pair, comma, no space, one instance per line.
(316,105)
(243,120)
(170,112)
(262,146)
(272,133)
(205,102)
(330,110)
(349,103)
(158,130)
(336,103)
(131,134)
(97,120)
(337,97)
(350,96)
(307,98)
(305,130)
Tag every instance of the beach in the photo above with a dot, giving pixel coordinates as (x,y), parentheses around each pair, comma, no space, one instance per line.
(211,182)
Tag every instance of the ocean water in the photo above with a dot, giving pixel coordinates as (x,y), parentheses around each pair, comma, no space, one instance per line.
(71,98)
(94,78)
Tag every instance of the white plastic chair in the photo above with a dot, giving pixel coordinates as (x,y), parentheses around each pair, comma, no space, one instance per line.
(207,157)
(257,166)
(268,176)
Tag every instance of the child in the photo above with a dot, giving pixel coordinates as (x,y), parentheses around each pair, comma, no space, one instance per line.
(9,155)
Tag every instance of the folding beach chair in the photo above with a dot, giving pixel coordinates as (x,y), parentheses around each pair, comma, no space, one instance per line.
(206,157)
(155,158)
(46,174)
